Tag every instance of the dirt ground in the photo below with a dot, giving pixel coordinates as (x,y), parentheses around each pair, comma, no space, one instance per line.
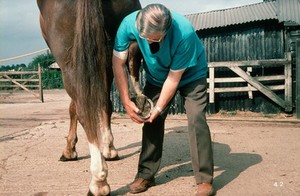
(254,154)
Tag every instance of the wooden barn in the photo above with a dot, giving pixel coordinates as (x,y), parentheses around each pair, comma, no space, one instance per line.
(252,55)
(262,31)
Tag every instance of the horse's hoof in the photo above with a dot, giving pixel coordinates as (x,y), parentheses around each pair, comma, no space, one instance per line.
(113,159)
(91,194)
(65,159)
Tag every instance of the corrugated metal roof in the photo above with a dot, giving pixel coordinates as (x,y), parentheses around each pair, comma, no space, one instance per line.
(288,10)
(232,16)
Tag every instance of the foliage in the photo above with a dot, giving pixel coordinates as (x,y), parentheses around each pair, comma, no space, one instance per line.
(45,60)
(52,79)
(17,67)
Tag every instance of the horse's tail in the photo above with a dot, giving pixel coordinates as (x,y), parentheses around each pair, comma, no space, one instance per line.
(89,57)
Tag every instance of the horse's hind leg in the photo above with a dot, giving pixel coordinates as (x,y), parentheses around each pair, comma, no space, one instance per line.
(69,153)
(108,149)
(99,170)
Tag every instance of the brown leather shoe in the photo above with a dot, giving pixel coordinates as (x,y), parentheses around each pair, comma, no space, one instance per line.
(140,185)
(205,189)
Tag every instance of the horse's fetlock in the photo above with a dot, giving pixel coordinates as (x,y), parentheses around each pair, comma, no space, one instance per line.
(99,175)
(102,176)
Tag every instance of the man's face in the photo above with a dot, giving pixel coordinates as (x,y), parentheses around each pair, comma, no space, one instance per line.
(154,37)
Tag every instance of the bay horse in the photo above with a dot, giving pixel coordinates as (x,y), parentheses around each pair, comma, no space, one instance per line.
(80,35)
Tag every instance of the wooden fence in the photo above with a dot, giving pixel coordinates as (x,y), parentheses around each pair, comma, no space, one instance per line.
(254,83)
(27,80)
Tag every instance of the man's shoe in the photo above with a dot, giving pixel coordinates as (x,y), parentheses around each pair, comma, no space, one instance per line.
(205,189)
(140,185)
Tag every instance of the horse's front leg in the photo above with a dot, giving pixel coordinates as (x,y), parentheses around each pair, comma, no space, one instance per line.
(134,64)
(98,166)
(69,153)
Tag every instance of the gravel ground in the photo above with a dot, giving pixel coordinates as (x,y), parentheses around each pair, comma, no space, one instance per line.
(254,154)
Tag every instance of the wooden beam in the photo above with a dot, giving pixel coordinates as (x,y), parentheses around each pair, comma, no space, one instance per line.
(250,94)
(211,91)
(288,91)
(18,72)
(40,83)
(298,78)
(270,62)
(245,89)
(18,86)
(259,78)
(211,85)
(31,79)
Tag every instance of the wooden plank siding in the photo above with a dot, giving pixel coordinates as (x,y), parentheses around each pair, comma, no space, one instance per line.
(251,44)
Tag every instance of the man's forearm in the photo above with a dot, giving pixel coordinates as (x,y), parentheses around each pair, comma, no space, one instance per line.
(169,88)
(121,78)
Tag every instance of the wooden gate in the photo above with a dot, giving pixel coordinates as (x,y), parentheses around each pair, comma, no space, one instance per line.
(26,80)
(254,83)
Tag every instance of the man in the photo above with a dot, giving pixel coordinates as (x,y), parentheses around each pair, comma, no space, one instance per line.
(174,60)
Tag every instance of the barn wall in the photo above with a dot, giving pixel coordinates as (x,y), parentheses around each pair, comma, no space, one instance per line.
(245,43)
(251,44)
(293,33)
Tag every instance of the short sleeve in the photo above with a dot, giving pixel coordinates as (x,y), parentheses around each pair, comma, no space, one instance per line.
(125,33)
(122,40)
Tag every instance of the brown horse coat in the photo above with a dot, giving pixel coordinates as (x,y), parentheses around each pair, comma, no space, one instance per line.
(80,35)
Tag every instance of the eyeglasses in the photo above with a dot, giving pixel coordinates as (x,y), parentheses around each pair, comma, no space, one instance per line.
(152,40)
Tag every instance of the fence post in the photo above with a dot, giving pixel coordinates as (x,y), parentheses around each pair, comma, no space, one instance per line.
(40,83)
(297,78)
(288,84)
(211,89)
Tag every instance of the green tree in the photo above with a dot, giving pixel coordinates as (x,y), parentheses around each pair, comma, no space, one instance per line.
(45,60)
(17,67)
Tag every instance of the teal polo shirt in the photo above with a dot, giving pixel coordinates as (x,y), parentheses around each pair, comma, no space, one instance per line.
(180,49)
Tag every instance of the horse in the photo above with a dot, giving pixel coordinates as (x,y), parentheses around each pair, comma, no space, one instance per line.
(80,35)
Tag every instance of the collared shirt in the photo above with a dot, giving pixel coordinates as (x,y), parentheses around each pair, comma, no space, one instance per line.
(180,49)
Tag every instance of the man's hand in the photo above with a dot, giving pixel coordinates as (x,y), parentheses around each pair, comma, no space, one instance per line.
(154,114)
(168,91)
(133,112)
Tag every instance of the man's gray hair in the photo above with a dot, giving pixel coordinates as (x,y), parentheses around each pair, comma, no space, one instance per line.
(154,18)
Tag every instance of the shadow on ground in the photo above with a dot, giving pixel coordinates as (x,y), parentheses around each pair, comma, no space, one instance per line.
(176,158)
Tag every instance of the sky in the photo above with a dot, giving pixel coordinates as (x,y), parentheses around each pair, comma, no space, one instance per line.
(20,31)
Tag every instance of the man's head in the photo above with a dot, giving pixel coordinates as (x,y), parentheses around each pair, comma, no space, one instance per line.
(153,22)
